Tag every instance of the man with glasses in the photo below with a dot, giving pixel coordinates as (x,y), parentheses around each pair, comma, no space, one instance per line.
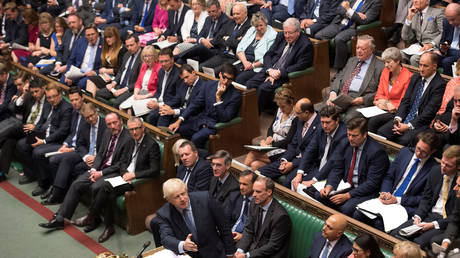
(219,103)
(75,160)
(53,128)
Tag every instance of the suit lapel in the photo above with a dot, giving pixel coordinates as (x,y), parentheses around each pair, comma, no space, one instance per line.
(177,218)
(404,166)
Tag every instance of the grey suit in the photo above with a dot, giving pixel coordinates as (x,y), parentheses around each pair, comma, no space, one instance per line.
(368,87)
(429,32)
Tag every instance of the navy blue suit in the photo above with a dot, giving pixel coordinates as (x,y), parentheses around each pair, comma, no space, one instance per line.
(200,176)
(342,248)
(326,13)
(206,112)
(108,12)
(295,147)
(214,235)
(173,28)
(16,31)
(172,83)
(138,11)
(10,90)
(77,56)
(372,167)
(299,58)
(452,55)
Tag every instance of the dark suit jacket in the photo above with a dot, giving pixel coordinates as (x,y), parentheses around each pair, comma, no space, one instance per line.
(326,10)
(135,70)
(200,177)
(26,107)
(214,234)
(232,41)
(171,84)
(272,239)
(64,51)
(73,127)
(221,23)
(9,93)
(429,104)
(414,192)
(78,54)
(148,158)
(210,114)
(173,29)
(123,138)
(454,220)
(431,194)
(179,99)
(373,166)
(300,57)
(370,82)
(108,12)
(138,10)
(60,121)
(312,155)
(84,137)
(370,8)
(230,185)
(342,248)
(299,143)
(16,31)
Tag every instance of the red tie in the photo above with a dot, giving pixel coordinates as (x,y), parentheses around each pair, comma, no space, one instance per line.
(352,167)
(346,85)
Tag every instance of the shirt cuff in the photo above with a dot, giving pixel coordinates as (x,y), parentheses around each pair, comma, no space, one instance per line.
(177,112)
(19,101)
(452,129)
(181,118)
(407,22)
(283,159)
(350,12)
(58,63)
(239,250)
(300,171)
(446,240)
(398,118)
(398,200)
(218,103)
(180,247)
(411,127)
(417,216)
(436,224)
(84,157)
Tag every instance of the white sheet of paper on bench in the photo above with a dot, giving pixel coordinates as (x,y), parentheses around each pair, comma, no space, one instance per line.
(140,107)
(259,148)
(116,181)
(393,215)
(49,154)
(209,71)
(73,73)
(239,85)
(163,44)
(371,111)
(194,64)
(321,184)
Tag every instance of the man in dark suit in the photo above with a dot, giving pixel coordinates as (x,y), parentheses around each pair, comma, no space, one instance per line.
(219,103)
(53,128)
(15,28)
(86,55)
(279,10)
(78,159)
(195,171)
(454,132)
(267,230)
(362,162)
(109,16)
(223,185)
(331,242)
(406,178)
(314,165)
(448,45)
(168,81)
(241,201)
(193,223)
(359,79)
(419,104)
(123,86)
(214,23)
(227,39)
(308,124)
(141,159)
(186,93)
(142,16)
(292,51)
(350,14)
(7,90)
(438,202)
(176,14)
(316,14)
(106,165)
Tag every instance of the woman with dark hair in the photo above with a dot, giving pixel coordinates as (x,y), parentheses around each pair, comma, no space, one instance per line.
(365,246)
(42,49)
(60,26)
(30,17)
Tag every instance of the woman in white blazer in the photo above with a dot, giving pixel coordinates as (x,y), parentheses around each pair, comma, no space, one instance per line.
(193,24)
(253,46)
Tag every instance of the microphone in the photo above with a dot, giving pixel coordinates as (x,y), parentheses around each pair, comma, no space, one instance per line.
(146,244)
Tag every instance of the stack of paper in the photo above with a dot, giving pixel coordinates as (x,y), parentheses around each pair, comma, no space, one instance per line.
(393,215)
(371,111)
(73,73)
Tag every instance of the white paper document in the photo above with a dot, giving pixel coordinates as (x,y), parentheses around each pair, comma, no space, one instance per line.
(116,181)
(343,186)
(73,73)
(209,71)
(410,230)
(259,148)
(414,49)
(165,253)
(371,111)
(163,44)
(393,215)
(49,154)
(140,107)
(194,64)
(300,191)
(239,86)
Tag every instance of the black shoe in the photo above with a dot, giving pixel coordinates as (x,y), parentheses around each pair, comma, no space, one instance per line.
(108,232)
(53,224)
(47,194)
(38,191)
(26,180)
(92,225)
(52,200)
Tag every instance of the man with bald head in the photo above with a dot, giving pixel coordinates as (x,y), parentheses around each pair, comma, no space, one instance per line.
(308,123)
(449,45)
(331,242)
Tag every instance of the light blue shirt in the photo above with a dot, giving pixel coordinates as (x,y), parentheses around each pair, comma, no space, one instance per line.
(356,168)
(358,80)
(455,43)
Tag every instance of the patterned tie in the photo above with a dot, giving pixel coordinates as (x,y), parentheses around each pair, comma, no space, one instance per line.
(312,11)
(244,216)
(280,63)
(421,19)
(352,167)
(34,114)
(74,138)
(350,21)
(402,188)
(414,108)
(346,85)
(2,94)
(326,249)
(188,217)
(304,129)
(77,3)
(109,153)
(445,194)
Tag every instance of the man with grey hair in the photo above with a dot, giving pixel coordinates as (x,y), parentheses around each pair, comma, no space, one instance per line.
(193,223)
(449,45)
(292,51)
(359,79)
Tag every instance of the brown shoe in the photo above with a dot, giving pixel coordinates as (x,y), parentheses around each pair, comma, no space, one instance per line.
(80,222)
(108,232)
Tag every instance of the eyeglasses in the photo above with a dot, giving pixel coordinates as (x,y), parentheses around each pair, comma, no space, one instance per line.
(134,128)
(226,77)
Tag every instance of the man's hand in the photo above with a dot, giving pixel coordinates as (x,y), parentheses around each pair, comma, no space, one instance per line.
(362,16)
(270,79)
(68,81)
(285,167)
(95,175)
(99,20)
(444,47)
(161,39)
(60,68)
(455,114)
(189,245)
(411,12)
(309,183)
(174,126)
(236,236)
(90,160)
(166,110)
(152,104)
(64,149)
(357,101)
(296,181)
(275,73)
(207,43)
(324,193)
(129,176)
(332,97)
(38,142)
(173,39)
(400,128)
(345,5)
(28,128)
(221,88)
(445,244)
(267,142)
(247,65)
(240,255)
(427,226)
(426,46)
(138,28)
(387,198)
(417,221)
(440,126)
(306,23)
(89,73)
(340,198)
(110,86)
(267,5)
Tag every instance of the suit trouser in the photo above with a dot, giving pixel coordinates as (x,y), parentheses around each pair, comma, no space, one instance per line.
(341,37)
(44,170)
(8,140)
(244,76)
(424,239)
(447,61)
(279,12)
(265,90)
(315,28)
(25,157)
(376,223)
(216,62)
(348,207)
(65,166)
(157,120)
(198,52)
(378,121)
(405,139)
(106,94)
(271,170)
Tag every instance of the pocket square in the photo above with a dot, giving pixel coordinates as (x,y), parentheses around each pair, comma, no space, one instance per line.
(430,18)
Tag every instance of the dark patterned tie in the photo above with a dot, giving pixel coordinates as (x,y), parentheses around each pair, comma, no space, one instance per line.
(346,86)
(109,153)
